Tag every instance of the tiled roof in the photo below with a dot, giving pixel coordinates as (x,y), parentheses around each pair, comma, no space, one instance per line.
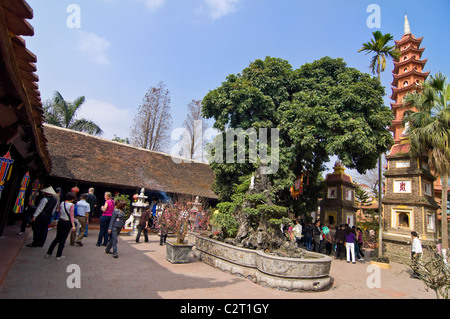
(86,158)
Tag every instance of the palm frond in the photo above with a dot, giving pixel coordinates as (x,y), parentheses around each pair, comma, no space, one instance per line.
(86,126)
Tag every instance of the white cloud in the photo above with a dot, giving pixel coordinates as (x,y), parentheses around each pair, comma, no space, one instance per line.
(111,119)
(154,4)
(94,46)
(220,8)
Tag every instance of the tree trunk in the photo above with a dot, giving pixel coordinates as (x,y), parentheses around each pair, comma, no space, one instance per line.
(444,216)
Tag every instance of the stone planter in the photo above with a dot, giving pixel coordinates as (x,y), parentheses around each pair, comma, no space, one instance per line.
(289,274)
(178,254)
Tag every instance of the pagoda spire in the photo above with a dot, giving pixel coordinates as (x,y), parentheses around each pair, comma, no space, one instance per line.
(407,28)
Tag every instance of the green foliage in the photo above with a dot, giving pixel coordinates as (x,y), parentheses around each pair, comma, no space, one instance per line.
(362,197)
(62,113)
(224,218)
(322,109)
(127,210)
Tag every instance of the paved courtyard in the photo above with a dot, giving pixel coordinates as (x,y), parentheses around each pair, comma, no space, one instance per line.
(142,272)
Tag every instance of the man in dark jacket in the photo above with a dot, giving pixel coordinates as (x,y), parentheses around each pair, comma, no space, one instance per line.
(143,225)
(340,242)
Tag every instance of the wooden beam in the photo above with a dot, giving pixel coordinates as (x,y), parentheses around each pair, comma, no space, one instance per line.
(18,25)
(18,7)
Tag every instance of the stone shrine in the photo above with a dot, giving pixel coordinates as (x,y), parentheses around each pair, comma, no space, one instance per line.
(135,217)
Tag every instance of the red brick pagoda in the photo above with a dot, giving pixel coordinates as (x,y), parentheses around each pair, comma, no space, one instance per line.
(409,203)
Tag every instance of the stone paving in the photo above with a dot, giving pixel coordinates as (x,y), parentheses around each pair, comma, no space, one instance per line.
(142,272)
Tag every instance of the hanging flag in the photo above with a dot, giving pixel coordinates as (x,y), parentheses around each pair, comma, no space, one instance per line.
(20,201)
(5,170)
(297,189)
(34,192)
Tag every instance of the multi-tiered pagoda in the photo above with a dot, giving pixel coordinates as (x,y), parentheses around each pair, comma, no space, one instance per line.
(409,203)
(408,75)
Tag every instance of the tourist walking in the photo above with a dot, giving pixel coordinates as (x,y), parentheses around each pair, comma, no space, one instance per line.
(317,236)
(359,243)
(416,253)
(82,215)
(66,224)
(115,226)
(350,244)
(107,210)
(339,238)
(153,217)
(328,239)
(143,225)
(162,226)
(42,216)
(92,201)
(308,235)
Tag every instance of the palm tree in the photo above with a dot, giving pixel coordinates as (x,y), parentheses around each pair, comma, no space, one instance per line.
(60,112)
(381,50)
(429,129)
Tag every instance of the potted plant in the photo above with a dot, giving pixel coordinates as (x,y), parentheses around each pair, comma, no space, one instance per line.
(178,218)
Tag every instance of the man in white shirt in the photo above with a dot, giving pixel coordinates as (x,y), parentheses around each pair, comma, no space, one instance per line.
(83,210)
(416,253)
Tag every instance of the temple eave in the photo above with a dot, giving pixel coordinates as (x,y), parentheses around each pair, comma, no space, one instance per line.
(407,38)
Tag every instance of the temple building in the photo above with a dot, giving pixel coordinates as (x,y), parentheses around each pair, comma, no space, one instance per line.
(339,206)
(409,203)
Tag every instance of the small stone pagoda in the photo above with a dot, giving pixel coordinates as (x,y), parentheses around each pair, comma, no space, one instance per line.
(139,207)
(339,205)
(408,204)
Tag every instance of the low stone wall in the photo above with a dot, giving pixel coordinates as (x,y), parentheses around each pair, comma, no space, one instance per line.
(288,274)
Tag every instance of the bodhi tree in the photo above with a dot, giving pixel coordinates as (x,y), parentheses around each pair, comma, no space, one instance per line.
(320,110)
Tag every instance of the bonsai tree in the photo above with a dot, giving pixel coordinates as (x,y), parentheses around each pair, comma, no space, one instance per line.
(319,110)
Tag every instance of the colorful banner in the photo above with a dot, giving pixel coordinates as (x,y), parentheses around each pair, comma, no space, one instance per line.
(34,192)
(20,201)
(5,170)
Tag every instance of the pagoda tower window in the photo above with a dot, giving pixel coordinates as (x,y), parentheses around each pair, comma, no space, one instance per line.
(405,70)
(405,83)
(405,58)
(403,220)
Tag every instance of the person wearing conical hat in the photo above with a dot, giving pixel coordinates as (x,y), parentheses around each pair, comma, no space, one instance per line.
(42,216)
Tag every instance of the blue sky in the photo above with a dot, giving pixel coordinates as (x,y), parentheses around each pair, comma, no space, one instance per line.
(123,47)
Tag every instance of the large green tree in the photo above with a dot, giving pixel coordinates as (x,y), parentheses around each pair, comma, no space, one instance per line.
(62,113)
(429,133)
(322,109)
